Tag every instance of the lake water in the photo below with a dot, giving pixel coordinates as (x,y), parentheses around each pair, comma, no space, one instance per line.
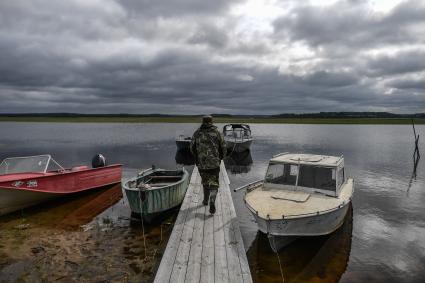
(382,239)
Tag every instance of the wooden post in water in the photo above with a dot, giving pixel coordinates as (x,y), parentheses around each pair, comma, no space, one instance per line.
(416,154)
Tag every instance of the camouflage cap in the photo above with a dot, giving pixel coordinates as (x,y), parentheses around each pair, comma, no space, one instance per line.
(207,119)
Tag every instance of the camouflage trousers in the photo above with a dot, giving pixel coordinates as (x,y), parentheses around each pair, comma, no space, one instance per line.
(210,184)
(210,178)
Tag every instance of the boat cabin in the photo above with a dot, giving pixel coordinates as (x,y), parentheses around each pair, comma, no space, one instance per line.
(237,131)
(306,172)
(29,164)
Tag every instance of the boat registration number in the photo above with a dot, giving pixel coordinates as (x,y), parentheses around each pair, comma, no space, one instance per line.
(28,184)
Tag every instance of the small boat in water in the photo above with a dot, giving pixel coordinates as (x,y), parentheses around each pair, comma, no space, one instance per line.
(154,191)
(237,137)
(26,181)
(301,195)
(183,142)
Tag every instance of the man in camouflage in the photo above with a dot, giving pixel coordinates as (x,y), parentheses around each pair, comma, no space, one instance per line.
(209,149)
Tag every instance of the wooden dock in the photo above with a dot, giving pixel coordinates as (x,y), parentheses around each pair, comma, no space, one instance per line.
(204,247)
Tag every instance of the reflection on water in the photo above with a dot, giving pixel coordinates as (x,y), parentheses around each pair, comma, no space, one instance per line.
(91,208)
(308,259)
(236,162)
(60,240)
(83,237)
(184,157)
(239,162)
(70,211)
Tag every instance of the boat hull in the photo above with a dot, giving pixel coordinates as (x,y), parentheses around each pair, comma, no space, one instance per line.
(281,232)
(278,242)
(153,202)
(238,146)
(312,225)
(183,144)
(13,200)
(23,190)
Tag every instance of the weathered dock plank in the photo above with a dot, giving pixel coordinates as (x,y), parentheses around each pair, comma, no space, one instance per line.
(246,273)
(207,259)
(204,247)
(221,272)
(194,263)
(169,257)
(235,274)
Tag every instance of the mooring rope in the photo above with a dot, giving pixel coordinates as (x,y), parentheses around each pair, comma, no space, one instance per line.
(280,266)
(274,248)
(143,226)
(233,149)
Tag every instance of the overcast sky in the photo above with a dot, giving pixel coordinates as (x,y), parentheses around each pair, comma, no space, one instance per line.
(221,56)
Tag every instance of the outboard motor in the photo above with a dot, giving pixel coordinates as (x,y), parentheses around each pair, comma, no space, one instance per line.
(98,161)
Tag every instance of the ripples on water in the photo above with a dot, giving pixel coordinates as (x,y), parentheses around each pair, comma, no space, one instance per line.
(381,240)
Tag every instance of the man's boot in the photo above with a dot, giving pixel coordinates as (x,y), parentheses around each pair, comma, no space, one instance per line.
(213,195)
(206,195)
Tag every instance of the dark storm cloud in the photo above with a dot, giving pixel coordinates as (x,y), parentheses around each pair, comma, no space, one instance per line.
(325,78)
(166,8)
(410,84)
(197,56)
(351,24)
(210,35)
(398,63)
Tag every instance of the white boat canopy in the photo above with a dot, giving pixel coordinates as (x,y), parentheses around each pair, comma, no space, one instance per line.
(237,130)
(306,172)
(308,159)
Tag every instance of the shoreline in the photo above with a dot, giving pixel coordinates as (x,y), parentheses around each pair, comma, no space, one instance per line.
(319,121)
(76,239)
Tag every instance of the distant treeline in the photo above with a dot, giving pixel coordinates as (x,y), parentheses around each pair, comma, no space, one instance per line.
(283,115)
(350,115)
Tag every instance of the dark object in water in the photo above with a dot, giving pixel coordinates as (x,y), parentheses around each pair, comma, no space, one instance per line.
(416,154)
(185,157)
(183,142)
(98,161)
(239,162)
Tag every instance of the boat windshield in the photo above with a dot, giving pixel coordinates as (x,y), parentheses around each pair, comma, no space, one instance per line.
(315,177)
(25,164)
(321,178)
(236,132)
(282,174)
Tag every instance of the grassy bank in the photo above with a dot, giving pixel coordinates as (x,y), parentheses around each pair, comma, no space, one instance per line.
(179,119)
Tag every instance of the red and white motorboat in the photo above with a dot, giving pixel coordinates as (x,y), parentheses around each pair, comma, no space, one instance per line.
(26,181)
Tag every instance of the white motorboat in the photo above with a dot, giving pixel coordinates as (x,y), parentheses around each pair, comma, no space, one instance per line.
(237,137)
(301,195)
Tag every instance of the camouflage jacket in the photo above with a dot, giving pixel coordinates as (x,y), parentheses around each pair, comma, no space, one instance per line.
(208,147)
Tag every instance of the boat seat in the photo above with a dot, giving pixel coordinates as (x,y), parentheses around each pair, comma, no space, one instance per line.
(164,177)
(150,186)
(160,184)
(157,181)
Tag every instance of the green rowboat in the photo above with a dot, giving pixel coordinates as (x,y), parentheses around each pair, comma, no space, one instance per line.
(154,191)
